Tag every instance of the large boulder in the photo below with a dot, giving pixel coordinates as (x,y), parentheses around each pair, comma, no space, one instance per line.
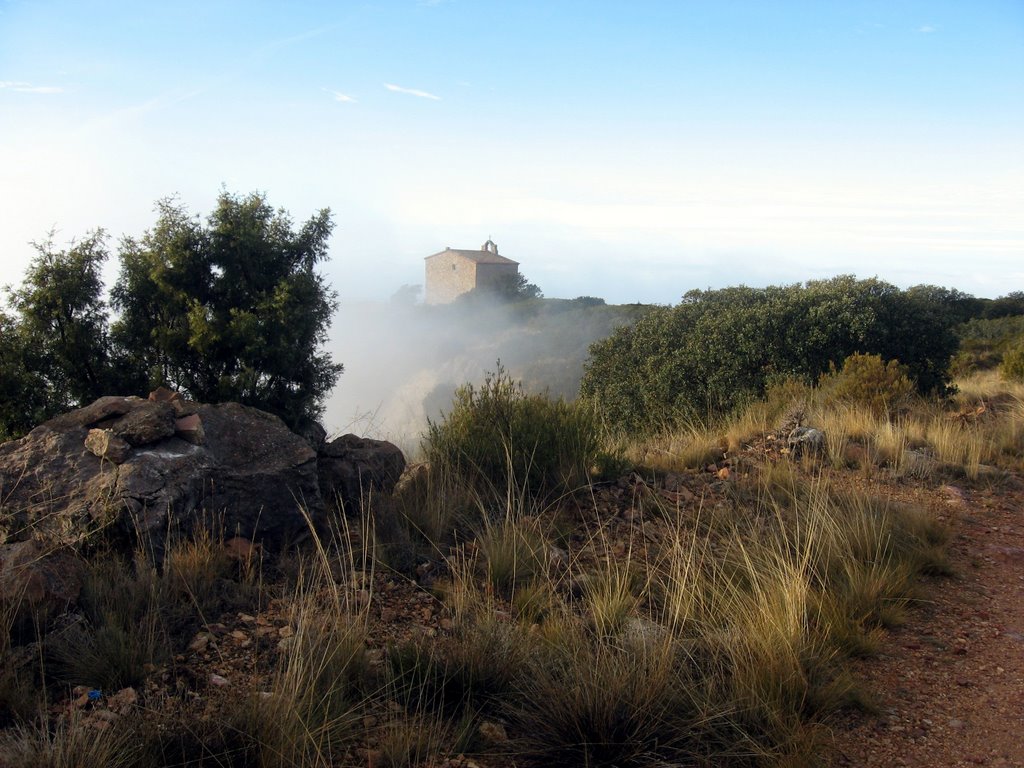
(352,468)
(233,468)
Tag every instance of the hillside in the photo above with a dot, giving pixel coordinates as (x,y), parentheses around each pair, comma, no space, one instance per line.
(742,594)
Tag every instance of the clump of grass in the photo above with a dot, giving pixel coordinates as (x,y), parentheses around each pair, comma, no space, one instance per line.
(586,701)
(68,742)
(122,631)
(513,553)
(309,716)
(473,670)
(496,436)
(608,599)
(687,446)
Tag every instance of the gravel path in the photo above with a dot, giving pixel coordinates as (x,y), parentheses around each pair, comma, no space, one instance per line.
(950,683)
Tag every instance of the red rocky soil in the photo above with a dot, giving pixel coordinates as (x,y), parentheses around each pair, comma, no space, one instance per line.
(950,683)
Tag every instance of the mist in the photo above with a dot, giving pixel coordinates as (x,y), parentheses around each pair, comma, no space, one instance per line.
(403,362)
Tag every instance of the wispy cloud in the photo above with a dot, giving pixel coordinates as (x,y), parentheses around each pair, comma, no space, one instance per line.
(23,87)
(411,91)
(339,96)
(927,29)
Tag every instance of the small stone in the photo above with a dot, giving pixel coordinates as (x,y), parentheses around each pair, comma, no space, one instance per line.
(199,642)
(240,549)
(723,473)
(163,395)
(190,429)
(493,732)
(557,556)
(956,724)
(218,680)
(106,445)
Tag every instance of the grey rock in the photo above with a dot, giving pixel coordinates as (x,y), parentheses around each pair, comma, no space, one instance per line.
(249,478)
(352,467)
(807,441)
(147,422)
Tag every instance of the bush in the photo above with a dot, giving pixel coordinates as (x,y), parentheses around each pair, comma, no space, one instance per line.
(866,380)
(717,350)
(1013,363)
(500,438)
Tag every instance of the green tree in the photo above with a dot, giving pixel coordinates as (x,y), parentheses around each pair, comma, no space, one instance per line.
(62,326)
(230,309)
(506,289)
(22,391)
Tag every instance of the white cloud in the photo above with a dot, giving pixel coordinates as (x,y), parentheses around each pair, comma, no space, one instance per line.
(23,87)
(927,29)
(339,96)
(411,91)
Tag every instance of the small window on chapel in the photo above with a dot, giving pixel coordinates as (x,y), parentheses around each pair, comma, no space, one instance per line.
(453,267)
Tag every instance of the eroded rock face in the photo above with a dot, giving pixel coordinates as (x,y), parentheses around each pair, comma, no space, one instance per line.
(351,467)
(238,469)
(148,467)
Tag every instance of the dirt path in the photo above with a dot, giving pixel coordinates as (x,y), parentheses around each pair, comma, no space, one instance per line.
(950,683)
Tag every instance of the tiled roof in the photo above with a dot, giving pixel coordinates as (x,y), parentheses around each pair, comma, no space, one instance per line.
(480,257)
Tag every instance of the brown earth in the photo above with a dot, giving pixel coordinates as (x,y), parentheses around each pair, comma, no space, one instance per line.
(949,684)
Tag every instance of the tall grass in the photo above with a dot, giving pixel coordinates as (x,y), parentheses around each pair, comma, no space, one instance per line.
(498,436)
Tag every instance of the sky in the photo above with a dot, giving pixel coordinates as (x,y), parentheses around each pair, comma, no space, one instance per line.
(627,150)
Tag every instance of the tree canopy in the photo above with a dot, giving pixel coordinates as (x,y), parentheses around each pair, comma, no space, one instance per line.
(230,310)
(227,309)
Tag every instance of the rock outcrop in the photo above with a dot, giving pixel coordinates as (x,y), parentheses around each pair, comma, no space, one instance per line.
(146,467)
(352,467)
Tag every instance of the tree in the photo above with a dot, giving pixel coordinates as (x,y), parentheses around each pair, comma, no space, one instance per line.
(22,391)
(232,309)
(506,289)
(62,324)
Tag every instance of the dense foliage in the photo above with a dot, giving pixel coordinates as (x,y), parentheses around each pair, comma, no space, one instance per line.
(499,437)
(1012,367)
(984,342)
(55,349)
(232,309)
(869,381)
(717,349)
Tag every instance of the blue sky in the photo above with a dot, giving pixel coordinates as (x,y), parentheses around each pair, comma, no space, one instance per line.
(626,150)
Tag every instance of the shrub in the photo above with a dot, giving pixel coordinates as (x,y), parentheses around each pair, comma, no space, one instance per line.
(717,350)
(1013,362)
(500,438)
(867,380)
